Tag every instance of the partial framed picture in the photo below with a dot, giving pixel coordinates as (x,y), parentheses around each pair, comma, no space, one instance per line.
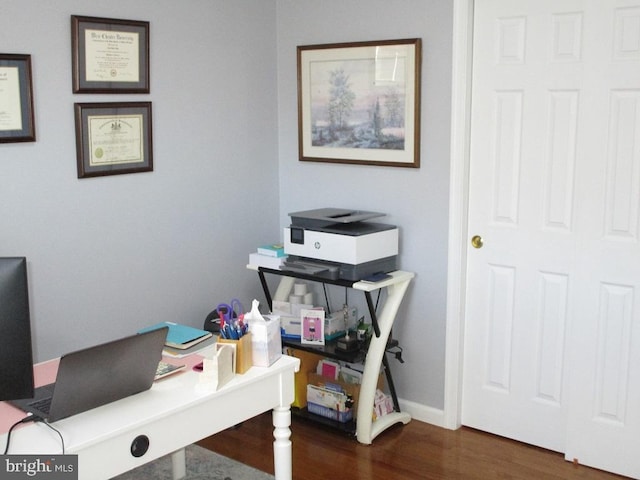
(113,138)
(109,55)
(359,102)
(16,99)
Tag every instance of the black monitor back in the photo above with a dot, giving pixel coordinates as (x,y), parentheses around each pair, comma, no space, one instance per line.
(16,358)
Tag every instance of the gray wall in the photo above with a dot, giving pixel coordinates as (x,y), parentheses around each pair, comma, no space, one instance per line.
(415,199)
(109,255)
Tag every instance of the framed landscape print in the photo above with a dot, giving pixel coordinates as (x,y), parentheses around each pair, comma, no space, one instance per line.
(359,102)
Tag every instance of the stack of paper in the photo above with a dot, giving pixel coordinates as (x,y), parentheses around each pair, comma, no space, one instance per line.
(268,256)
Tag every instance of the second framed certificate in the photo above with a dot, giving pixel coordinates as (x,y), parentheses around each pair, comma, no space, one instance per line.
(113,138)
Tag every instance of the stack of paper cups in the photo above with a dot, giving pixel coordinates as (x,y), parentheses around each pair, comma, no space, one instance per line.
(300,289)
(301,294)
(295,299)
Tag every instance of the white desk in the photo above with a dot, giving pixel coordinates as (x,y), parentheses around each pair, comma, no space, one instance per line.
(172,414)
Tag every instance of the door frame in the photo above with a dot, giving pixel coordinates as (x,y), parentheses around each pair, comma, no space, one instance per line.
(458,209)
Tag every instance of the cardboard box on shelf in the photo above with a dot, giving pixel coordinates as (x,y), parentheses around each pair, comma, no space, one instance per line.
(308,363)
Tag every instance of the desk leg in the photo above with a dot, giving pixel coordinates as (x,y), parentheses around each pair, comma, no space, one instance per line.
(179,464)
(282,443)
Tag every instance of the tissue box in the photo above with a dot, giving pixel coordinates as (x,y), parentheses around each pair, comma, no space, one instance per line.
(266,342)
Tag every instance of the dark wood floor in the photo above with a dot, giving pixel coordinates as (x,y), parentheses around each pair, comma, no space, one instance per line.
(414,451)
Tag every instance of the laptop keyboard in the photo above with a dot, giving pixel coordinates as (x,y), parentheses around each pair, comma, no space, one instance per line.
(165,369)
(44,404)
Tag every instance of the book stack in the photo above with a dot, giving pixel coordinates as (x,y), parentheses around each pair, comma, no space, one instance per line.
(182,340)
(268,256)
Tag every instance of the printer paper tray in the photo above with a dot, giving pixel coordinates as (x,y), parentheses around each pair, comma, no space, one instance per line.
(316,268)
(343,271)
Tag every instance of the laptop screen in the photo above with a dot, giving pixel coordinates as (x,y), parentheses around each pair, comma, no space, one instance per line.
(102,374)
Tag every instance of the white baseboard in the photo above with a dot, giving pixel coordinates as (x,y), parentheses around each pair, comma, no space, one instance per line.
(423,413)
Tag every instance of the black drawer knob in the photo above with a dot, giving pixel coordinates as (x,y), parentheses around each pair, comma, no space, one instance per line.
(140,445)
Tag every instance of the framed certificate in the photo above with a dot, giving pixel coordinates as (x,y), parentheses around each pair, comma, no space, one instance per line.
(16,99)
(113,138)
(109,55)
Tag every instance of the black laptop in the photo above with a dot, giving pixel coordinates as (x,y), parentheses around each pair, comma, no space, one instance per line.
(98,375)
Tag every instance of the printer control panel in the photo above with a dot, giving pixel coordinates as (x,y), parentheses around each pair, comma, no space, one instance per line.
(297,235)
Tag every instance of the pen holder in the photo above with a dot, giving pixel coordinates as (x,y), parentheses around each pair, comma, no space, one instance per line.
(244,357)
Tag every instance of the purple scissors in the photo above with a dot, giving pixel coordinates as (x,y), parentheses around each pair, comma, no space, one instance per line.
(228,311)
(231,326)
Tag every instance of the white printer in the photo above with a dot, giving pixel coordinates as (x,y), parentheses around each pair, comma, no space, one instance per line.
(340,244)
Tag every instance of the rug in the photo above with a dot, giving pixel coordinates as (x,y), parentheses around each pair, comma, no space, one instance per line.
(202,464)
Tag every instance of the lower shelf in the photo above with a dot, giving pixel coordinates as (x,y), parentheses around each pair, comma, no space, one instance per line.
(328,350)
(348,428)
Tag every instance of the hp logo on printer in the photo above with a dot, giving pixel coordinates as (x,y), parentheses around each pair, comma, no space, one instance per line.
(317,245)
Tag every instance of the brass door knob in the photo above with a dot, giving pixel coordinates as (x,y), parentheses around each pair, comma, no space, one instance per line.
(476,241)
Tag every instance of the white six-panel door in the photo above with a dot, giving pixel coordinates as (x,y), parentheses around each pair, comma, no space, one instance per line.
(552,327)
(604,371)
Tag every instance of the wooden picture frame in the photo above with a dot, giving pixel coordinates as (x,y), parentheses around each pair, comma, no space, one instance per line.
(109,55)
(113,138)
(359,103)
(16,99)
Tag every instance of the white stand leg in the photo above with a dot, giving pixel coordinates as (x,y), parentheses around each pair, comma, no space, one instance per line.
(366,429)
(282,443)
(179,464)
